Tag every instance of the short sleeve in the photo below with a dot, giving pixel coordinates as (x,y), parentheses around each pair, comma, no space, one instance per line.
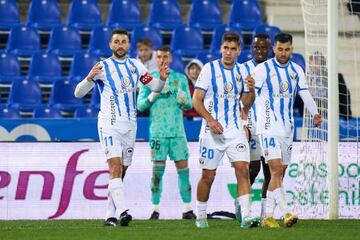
(259,75)
(204,79)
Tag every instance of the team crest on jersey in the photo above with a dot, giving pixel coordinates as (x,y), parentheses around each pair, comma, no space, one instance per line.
(133,70)
(284,86)
(125,81)
(241,147)
(293,76)
(228,87)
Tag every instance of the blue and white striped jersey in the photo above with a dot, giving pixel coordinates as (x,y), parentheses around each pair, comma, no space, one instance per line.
(223,88)
(277,85)
(247,69)
(117,85)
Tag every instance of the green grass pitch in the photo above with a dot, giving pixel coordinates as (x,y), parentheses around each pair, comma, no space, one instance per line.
(174,229)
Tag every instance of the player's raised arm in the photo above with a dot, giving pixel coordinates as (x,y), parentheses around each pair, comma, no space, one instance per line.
(155,84)
(87,84)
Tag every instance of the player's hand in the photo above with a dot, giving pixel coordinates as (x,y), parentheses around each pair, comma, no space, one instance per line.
(317,120)
(97,68)
(181,98)
(164,71)
(216,127)
(250,83)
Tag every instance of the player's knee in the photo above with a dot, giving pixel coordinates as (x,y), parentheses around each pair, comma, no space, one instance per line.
(115,170)
(208,177)
(277,171)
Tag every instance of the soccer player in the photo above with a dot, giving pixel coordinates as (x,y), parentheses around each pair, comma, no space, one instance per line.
(117,78)
(217,99)
(261,47)
(167,134)
(277,81)
(146,54)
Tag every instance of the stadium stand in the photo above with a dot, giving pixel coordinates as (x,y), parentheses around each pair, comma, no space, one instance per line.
(187,41)
(46,112)
(124,14)
(165,15)
(8,112)
(9,68)
(205,14)
(99,41)
(177,63)
(25,95)
(45,68)
(81,65)
(65,41)
(84,15)
(86,112)
(245,15)
(62,96)
(43,14)
(23,40)
(146,32)
(9,14)
(216,38)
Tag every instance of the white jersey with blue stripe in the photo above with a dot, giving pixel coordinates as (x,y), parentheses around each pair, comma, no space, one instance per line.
(117,85)
(247,69)
(223,87)
(277,85)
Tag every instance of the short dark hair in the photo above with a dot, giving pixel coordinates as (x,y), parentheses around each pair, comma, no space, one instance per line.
(119,31)
(262,36)
(231,37)
(164,48)
(144,41)
(283,38)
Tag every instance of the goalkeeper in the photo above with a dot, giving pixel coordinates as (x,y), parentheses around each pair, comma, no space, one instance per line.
(167,134)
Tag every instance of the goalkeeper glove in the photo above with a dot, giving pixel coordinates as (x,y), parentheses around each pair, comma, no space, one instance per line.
(181,98)
(152,96)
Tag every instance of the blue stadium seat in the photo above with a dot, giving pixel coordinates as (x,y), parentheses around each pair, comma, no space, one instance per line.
(165,15)
(81,65)
(124,14)
(272,31)
(187,41)
(84,14)
(95,98)
(205,14)
(245,14)
(8,112)
(44,14)
(177,63)
(25,95)
(45,68)
(64,41)
(146,32)
(206,57)
(299,59)
(9,68)
(62,96)
(23,41)
(46,112)
(86,112)
(9,14)
(245,55)
(99,41)
(217,36)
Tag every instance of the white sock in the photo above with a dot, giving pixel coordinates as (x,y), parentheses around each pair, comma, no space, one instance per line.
(117,193)
(155,208)
(186,207)
(110,208)
(280,199)
(270,204)
(245,205)
(263,207)
(201,210)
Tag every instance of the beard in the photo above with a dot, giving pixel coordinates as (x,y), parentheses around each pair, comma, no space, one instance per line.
(119,55)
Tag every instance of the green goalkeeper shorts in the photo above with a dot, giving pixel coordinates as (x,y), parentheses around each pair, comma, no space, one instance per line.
(176,148)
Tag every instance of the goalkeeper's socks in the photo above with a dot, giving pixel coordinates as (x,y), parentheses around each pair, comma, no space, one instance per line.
(116,187)
(201,210)
(245,205)
(263,207)
(156,183)
(110,207)
(184,184)
(280,199)
(270,204)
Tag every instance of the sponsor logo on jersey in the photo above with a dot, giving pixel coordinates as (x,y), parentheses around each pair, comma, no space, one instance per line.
(112,110)
(125,82)
(241,147)
(228,87)
(267,114)
(284,86)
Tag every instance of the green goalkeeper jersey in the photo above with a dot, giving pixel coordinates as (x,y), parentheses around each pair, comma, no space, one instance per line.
(166,115)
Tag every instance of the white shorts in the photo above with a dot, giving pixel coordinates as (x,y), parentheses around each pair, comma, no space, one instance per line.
(255,148)
(276,147)
(212,150)
(117,142)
